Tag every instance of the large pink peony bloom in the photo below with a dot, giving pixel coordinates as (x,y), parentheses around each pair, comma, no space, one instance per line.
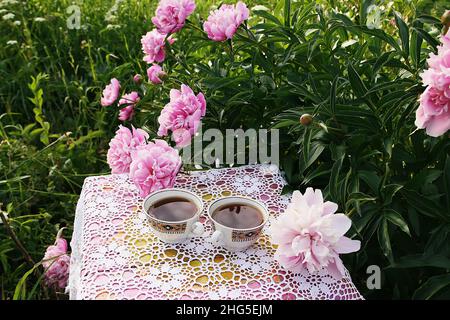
(433,113)
(155,73)
(153,46)
(110,93)
(154,167)
(121,147)
(130,101)
(310,236)
(182,115)
(56,263)
(171,15)
(222,23)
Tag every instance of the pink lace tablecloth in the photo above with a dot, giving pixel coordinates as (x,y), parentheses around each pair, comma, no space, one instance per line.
(115,255)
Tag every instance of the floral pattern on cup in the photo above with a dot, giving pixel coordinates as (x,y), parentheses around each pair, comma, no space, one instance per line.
(241,236)
(165,227)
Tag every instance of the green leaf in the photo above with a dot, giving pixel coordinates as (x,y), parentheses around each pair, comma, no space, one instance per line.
(414,220)
(438,241)
(428,19)
(371,179)
(388,192)
(447,181)
(306,143)
(315,151)
(364,221)
(15,179)
(384,239)
(357,84)
(404,33)
(333,95)
(397,219)
(19,292)
(415,48)
(421,261)
(215,83)
(424,177)
(334,178)
(428,38)
(432,286)
(284,123)
(317,172)
(380,62)
(360,196)
(379,34)
(287,13)
(268,16)
(424,205)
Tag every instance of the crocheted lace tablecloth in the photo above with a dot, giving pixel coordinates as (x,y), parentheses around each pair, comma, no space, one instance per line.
(115,255)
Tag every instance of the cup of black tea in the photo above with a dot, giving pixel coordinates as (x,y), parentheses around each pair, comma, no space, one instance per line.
(237,221)
(173,214)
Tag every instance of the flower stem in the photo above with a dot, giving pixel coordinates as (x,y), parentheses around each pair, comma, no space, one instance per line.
(16,240)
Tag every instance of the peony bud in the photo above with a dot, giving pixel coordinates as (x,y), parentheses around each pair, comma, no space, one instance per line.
(163,76)
(306,119)
(138,79)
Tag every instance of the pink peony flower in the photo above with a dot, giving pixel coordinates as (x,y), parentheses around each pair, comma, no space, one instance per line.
(110,93)
(154,167)
(223,22)
(171,15)
(130,100)
(153,46)
(310,236)
(182,115)
(121,147)
(126,113)
(56,263)
(155,73)
(438,73)
(433,113)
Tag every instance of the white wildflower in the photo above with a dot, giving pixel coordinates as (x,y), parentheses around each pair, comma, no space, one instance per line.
(8,16)
(111,15)
(4,3)
(373,20)
(112,26)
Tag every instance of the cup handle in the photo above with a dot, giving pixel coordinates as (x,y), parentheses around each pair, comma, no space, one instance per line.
(216,236)
(197,229)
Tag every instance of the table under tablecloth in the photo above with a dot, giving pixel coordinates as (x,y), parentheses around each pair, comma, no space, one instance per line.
(115,255)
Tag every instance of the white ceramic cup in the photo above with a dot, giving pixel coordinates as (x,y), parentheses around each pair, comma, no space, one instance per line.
(235,239)
(174,231)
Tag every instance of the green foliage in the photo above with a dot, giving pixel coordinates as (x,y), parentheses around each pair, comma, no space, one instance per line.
(292,57)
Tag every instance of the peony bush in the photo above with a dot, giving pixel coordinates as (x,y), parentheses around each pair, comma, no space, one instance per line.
(363,114)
